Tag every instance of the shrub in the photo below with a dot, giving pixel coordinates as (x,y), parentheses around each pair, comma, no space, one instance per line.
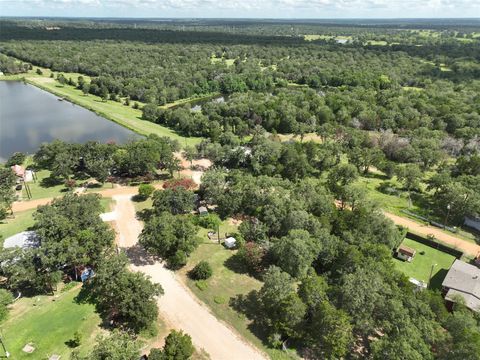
(178,260)
(6,299)
(145,190)
(210,221)
(201,271)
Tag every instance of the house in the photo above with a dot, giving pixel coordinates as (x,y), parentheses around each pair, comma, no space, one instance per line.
(406,253)
(24,239)
(202,211)
(230,242)
(473,222)
(463,280)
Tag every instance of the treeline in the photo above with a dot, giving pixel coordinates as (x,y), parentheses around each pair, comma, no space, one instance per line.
(136,159)
(330,288)
(436,106)
(454,188)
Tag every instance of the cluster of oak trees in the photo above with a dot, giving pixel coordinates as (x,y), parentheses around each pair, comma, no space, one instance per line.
(329,283)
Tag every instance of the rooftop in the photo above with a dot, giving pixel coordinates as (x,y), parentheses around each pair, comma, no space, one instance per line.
(464,280)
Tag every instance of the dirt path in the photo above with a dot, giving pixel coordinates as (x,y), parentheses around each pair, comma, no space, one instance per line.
(118,190)
(425,230)
(178,306)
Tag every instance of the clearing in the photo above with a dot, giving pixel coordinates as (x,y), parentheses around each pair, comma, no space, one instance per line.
(421,264)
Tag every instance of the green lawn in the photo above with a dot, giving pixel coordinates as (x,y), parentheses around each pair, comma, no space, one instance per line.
(48,322)
(11,226)
(421,265)
(228,281)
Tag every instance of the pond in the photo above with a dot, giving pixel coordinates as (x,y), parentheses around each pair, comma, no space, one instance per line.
(30,116)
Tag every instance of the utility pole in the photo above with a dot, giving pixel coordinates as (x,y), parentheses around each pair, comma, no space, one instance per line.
(7,354)
(431,273)
(446,217)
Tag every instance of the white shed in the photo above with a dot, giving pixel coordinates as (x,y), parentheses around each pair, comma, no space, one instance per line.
(230,242)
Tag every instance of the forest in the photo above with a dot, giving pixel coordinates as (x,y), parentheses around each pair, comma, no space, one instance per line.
(291,119)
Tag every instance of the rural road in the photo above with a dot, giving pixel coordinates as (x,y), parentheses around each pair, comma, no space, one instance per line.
(178,306)
(462,245)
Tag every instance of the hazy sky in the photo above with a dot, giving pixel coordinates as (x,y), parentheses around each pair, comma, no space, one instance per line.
(243,8)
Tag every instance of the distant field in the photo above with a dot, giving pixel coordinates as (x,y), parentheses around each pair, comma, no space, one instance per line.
(48,322)
(421,265)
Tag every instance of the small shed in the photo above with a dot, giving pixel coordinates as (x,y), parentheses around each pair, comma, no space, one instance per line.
(230,242)
(202,211)
(406,253)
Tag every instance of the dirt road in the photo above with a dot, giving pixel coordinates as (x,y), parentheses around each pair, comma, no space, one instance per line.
(178,306)
(425,230)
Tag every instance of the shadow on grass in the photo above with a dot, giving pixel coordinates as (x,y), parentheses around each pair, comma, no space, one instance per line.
(236,264)
(50,182)
(437,279)
(138,198)
(248,306)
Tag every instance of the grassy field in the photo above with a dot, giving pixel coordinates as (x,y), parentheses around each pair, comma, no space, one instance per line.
(112,110)
(11,226)
(49,322)
(228,281)
(421,264)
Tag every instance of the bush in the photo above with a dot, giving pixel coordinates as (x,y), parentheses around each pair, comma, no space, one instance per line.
(201,271)
(145,190)
(178,260)
(210,221)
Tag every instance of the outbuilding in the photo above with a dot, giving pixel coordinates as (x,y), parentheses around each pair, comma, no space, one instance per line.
(202,211)
(230,242)
(406,253)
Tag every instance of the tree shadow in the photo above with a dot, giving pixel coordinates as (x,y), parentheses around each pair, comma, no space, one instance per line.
(138,198)
(247,305)
(437,279)
(145,214)
(50,182)
(139,256)
(236,264)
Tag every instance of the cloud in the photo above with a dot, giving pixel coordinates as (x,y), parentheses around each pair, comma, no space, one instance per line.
(236,8)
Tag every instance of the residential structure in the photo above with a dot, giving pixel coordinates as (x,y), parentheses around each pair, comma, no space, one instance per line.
(463,280)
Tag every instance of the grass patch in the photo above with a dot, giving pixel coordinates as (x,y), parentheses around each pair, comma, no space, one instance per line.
(412,88)
(376,42)
(421,265)
(49,322)
(22,221)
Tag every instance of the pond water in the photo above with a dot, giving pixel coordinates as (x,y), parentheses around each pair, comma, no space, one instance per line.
(30,116)
(196,105)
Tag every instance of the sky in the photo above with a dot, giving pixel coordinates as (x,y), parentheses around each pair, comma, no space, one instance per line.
(243,8)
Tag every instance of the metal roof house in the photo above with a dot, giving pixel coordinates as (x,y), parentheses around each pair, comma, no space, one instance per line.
(463,280)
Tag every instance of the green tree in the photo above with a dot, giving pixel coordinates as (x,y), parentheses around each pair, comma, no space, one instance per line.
(280,310)
(175,200)
(127,297)
(178,346)
(201,271)
(145,190)
(118,345)
(295,252)
(7,190)
(6,298)
(170,237)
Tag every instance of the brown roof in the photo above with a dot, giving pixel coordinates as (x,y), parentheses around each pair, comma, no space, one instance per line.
(18,170)
(406,250)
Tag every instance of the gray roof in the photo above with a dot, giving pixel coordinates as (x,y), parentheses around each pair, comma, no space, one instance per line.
(464,280)
(25,239)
